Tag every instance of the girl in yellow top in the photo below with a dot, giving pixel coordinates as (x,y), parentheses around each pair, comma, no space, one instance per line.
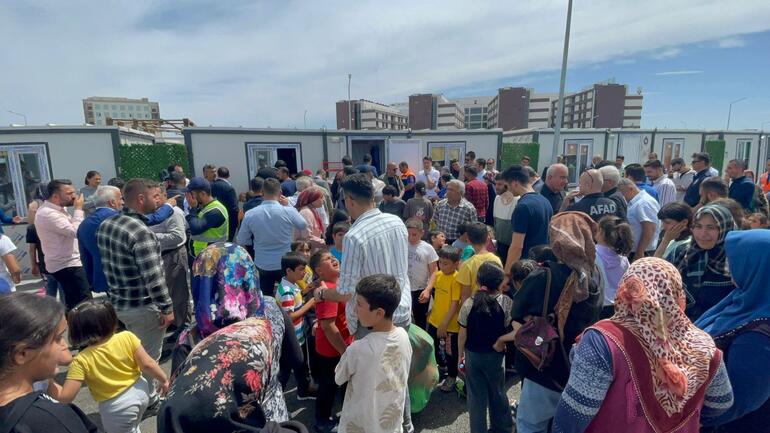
(111,364)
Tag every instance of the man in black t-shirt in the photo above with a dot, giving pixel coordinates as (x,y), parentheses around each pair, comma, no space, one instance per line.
(593,203)
(556,180)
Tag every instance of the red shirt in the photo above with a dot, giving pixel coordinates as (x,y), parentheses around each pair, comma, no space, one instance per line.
(328,310)
(476,193)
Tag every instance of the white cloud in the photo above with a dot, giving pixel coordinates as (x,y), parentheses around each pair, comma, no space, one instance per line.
(264,63)
(731,42)
(667,73)
(668,53)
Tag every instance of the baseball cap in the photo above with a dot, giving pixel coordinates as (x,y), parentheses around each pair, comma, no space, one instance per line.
(198,184)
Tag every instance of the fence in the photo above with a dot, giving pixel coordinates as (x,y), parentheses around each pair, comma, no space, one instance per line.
(148,160)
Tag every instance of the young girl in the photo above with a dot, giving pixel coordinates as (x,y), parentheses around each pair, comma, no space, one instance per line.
(483,319)
(614,243)
(111,365)
(32,345)
(420,207)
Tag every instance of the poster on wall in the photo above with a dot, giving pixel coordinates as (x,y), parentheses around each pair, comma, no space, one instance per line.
(408,150)
(672,148)
(443,152)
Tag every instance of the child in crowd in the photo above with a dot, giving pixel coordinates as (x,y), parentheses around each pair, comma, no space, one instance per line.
(303,248)
(332,338)
(614,242)
(542,254)
(339,231)
(419,207)
(758,221)
(111,364)
(442,323)
(477,236)
(520,271)
(483,319)
(422,265)
(375,367)
(437,239)
(338,216)
(391,203)
(462,243)
(289,297)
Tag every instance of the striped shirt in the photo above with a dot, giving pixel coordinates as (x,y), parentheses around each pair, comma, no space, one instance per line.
(377,243)
(289,296)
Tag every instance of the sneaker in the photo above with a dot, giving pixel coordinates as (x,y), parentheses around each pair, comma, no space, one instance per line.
(448,385)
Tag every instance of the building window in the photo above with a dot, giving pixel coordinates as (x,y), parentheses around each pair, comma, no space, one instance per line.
(114,107)
(130,108)
(23,168)
(743,150)
(122,107)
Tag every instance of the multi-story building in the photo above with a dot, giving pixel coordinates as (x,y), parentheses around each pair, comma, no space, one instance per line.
(429,111)
(475,110)
(540,110)
(369,115)
(603,105)
(509,109)
(97,109)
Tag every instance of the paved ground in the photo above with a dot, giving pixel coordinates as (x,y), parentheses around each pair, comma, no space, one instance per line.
(445,412)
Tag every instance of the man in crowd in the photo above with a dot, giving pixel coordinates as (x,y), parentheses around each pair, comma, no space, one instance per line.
(764,179)
(593,203)
(455,169)
(476,192)
(502,211)
(741,187)
(620,163)
(701,163)
(177,183)
(302,183)
(595,161)
(636,173)
(652,156)
(525,160)
(255,186)
(453,210)
(712,189)
(642,217)
(109,202)
(556,180)
(376,243)
(430,176)
(131,258)
(681,175)
(57,231)
(663,186)
(481,168)
(392,177)
(611,177)
(210,172)
(222,190)
(470,157)
(208,218)
(367,166)
(288,187)
(269,229)
(176,168)
(535,180)
(531,216)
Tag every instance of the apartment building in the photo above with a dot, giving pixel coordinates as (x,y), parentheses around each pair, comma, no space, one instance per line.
(429,111)
(369,115)
(475,109)
(97,109)
(603,105)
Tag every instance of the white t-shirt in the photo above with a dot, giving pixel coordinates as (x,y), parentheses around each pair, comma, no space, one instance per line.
(643,208)
(435,176)
(420,256)
(6,282)
(376,369)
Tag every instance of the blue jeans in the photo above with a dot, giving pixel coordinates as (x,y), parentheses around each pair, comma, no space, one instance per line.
(537,407)
(52,287)
(485,382)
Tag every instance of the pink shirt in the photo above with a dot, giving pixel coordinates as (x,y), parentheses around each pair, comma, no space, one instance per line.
(57,231)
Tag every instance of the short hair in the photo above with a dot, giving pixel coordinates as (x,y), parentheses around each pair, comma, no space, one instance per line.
(358,187)
(342,226)
(703,156)
(280,163)
(626,182)
(291,261)
(90,322)
(452,161)
(604,163)
(284,170)
(223,172)
(531,172)
(55,185)
(116,182)
(481,162)
(90,175)
(621,157)
(176,178)
(654,164)
(389,190)
(735,209)
(134,187)
(741,163)
(459,184)
(762,218)
(315,259)
(347,160)
(470,154)
(450,253)
(434,233)
(349,170)
(677,161)
(516,173)
(635,172)
(271,186)
(303,182)
(295,245)
(209,167)
(414,223)
(715,184)
(256,183)
(471,170)
(542,253)
(367,158)
(677,211)
(610,173)
(380,291)
(419,187)
(521,269)
(104,194)
(477,233)
(427,158)
(446,177)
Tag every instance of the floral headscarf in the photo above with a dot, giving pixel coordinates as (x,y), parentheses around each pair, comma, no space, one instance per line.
(650,304)
(225,287)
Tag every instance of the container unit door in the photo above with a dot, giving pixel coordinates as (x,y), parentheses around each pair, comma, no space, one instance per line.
(22,170)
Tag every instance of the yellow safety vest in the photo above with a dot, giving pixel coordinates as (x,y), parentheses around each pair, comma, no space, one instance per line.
(212,234)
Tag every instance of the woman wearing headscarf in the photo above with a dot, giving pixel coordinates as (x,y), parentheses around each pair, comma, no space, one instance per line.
(575,298)
(702,261)
(232,373)
(310,205)
(740,325)
(647,368)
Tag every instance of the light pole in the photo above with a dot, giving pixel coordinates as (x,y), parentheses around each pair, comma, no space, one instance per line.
(730,111)
(350,112)
(560,106)
(19,114)
(304,119)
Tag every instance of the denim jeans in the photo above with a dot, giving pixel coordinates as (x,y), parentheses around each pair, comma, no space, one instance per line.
(52,287)
(537,407)
(485,382)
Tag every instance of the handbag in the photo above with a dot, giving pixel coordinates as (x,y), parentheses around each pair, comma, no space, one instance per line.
(538,338)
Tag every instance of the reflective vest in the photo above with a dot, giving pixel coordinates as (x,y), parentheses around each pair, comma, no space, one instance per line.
(212,234)
(764,182)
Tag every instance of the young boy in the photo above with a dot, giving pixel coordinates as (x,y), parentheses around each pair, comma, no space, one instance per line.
(462,243)
(437,239)
(338,233)
(332,338)
(289,296)
(477,236)
(442,323)
(422,265)
(376,367)
(758,221)
(391,203)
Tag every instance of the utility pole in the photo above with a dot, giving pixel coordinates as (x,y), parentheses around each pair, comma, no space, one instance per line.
(350,112)
(20,114)
(560,106)
(730,111)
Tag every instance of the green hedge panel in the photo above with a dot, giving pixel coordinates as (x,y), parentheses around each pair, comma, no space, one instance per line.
(716,150)
(148,160)
(513,152)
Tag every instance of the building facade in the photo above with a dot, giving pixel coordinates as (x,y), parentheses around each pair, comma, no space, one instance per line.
(430,111)
(475,109)
(603,105)
(369,115)
(97,109)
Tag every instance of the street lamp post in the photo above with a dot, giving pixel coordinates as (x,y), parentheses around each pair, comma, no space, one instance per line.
(304,119)
(350,112)
(20,114)
(730,111)
(560,106)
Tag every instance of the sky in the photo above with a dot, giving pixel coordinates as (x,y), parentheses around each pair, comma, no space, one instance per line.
(266,63)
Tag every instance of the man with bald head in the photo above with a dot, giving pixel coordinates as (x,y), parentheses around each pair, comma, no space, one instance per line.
(556,179)
(593,202)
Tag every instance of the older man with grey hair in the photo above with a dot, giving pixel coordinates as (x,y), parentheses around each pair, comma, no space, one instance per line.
(611,176)
(453,210)
(556,180)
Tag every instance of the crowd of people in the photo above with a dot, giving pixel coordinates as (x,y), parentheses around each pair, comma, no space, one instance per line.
(636,302)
